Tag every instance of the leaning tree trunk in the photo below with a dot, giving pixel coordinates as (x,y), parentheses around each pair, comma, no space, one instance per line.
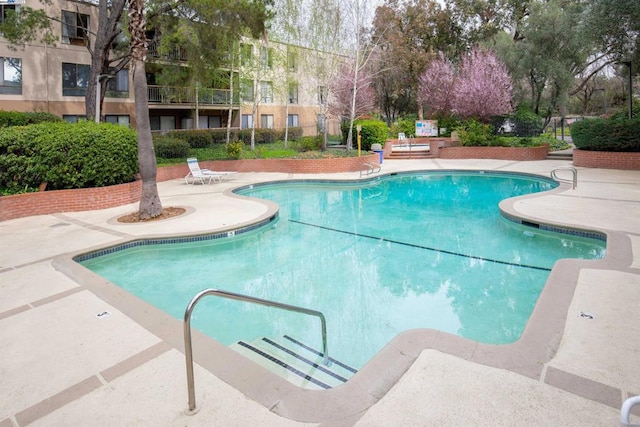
(150,205)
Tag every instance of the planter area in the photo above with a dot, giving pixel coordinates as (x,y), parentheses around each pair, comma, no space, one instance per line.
(498,153)
(606,159)
(86,199)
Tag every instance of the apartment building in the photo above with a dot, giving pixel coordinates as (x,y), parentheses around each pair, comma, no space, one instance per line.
(273,84)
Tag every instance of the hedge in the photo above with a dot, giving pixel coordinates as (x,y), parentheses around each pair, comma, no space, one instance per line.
(65,155)
(607,135)
(15,118)
(202,138)
(171,148)
(373,132)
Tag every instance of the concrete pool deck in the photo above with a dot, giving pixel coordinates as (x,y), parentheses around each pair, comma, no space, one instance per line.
(73,353)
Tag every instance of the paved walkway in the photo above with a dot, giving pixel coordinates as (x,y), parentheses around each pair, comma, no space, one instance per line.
(69,358)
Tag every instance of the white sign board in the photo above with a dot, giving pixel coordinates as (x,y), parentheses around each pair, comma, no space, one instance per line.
(426,128)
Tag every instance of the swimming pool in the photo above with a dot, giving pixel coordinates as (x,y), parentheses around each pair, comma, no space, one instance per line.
(377,258)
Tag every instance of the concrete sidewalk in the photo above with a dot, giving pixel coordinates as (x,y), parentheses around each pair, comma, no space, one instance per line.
(69,357)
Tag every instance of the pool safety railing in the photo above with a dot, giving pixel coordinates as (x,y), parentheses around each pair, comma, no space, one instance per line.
(574,175)
(368,168)
(188,347)
(625,411)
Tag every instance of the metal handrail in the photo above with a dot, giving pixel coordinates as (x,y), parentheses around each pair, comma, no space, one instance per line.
(370,168)
(625,411)
(574,173)
(188,351)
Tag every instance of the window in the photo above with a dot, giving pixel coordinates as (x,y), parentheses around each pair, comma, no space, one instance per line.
(266,57)
(75,78)
(246,90)
(266,121)
(162,122)
(293,93)
(247,121)
(75,28)
(246,54)
(10,76)
(292,120)
(208,122)
(118,86)
(321,123)
(266,91)
(292,59)
(6,9)
(322,95)
(122,120)
(73,118)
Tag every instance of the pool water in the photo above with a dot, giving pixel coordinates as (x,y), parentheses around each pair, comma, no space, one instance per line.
(427,250)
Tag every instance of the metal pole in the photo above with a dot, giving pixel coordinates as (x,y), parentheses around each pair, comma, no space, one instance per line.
(98,100)
(630,92)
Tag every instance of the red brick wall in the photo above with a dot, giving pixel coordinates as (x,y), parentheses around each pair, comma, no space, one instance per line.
(499,153)
(47,202)
(606,159)
(332,165)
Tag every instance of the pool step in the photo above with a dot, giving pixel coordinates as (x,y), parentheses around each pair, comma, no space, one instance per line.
(416,154)
(296,362)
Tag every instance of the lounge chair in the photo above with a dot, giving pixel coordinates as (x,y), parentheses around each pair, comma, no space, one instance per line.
(200,175)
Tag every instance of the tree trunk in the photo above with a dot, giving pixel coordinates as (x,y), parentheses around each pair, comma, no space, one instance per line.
(150,205)
(109,13)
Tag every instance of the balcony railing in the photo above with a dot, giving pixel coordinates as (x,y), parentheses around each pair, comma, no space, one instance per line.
(188,96)
(174,54)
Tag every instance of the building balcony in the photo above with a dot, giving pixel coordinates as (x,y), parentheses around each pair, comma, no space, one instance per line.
(191,96)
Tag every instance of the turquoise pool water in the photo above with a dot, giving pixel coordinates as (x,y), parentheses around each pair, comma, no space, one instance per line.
(427,250)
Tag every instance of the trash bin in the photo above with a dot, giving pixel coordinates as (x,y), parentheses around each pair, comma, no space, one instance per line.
(380,153)
(377,148)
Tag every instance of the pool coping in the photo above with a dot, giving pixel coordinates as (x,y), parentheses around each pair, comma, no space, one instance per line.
(347,403)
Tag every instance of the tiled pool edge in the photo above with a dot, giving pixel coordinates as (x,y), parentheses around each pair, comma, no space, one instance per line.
(527,356)
(178,239)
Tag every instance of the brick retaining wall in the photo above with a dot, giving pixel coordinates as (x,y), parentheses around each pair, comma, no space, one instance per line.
(498,153)
(84,199)
(606,159)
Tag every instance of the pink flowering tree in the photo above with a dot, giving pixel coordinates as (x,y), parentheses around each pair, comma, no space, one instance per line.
(435,88)
(344,85)
(352,96)
(479,88)
(483,86)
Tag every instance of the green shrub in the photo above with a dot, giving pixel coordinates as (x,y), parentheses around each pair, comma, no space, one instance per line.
(309,143)
(234,149)
(20,169)
(472,133)
(295,133)
(526,122)
(449,124)
(623,113)
(171,148)
(15,118)
(262,136)
(607,135)
(88,154)
(406,125)
(66,155)
(219,135)
(198,138)
(373,132)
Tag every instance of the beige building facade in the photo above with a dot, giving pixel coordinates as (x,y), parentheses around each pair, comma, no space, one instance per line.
(275,83)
